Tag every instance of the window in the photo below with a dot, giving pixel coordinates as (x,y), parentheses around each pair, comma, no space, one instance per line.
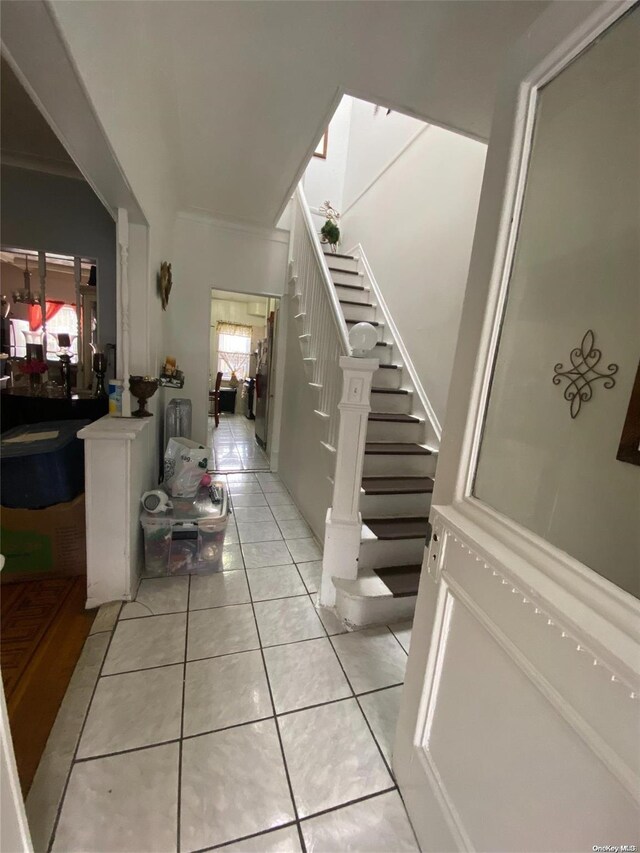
(65,321)
(234,351)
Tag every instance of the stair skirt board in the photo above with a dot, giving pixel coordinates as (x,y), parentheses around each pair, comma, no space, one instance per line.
(400,580)
(392,528)
(368,601)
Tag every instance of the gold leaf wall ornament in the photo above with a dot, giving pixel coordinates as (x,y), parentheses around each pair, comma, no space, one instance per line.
(165,283)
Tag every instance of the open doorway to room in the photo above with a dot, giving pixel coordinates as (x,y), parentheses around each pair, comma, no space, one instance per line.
(58,345)
(242,379)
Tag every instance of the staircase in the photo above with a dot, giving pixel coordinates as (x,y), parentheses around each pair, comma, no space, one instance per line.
(380,429)
(399,464)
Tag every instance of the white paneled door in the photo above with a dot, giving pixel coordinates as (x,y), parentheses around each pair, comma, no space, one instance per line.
(520,721)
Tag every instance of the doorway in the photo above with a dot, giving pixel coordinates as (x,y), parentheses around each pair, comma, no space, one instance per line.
(241,380)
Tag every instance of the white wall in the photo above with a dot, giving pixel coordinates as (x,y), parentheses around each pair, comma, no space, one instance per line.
(416,223)
(323,179)
(375,140)
(211,254)
(303,464)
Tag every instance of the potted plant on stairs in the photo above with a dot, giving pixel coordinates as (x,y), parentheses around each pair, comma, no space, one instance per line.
(330,233)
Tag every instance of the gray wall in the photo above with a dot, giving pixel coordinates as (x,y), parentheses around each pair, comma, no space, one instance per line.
(57,214)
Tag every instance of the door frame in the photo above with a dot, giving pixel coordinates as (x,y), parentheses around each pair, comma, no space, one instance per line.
(472,540)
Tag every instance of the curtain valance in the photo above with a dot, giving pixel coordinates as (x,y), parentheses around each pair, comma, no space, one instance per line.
(233,329)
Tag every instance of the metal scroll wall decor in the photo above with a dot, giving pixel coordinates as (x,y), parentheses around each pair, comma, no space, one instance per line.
(583,373)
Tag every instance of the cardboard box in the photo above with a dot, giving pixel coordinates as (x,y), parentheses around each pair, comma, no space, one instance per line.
(44,543)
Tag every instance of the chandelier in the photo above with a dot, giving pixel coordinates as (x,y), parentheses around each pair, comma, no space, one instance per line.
(25,296)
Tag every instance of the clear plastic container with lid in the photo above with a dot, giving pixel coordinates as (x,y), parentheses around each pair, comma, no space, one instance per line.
(188,538)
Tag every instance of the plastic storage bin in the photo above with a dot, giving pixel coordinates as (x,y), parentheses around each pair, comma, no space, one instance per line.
(42,464)
(187,539)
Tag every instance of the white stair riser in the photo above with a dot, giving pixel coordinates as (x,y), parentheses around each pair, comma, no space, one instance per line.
(353,295)
(395,505)
(358,611)
(350,264)
(390,431)
(362,313)
(378,553)
(389,465)
(387,378)
(391,403)
(384,355)
(345,277)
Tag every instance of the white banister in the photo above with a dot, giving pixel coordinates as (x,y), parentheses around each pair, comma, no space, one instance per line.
(322,329)
(343,387)
(324,269)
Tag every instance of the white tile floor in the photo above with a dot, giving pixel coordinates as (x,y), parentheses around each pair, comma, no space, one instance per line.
(227,713)
(235,445)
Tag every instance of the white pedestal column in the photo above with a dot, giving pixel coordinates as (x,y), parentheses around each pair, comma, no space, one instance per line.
(119,467)
(344,522)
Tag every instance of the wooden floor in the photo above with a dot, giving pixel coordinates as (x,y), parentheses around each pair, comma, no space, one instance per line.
(44,627)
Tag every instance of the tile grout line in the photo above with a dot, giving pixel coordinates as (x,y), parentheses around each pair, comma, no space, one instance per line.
(355,696)
(278,732)
(181,740)
(56,822)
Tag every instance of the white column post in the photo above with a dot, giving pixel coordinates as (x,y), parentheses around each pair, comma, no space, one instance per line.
(124,342)
(344,522)
(77,275)
(42,275)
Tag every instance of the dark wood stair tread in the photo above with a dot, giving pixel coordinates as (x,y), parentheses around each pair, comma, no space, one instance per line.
(352,322)
(401,581)
(382,344)
(396,448)
(355,302)
(338,255)
(388,366)
(398,528)
(346,272)
(351,286)
(397,485)
(389,391)
(393,417)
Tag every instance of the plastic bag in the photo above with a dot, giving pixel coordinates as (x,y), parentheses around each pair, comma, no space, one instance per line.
(185,464)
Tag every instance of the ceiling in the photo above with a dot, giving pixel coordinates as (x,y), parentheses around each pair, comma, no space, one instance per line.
(226,100)
(25,137)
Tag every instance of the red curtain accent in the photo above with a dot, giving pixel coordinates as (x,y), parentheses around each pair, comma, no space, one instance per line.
(35,313)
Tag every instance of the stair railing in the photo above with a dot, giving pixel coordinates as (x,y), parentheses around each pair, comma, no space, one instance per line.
(320,319)
(343,384)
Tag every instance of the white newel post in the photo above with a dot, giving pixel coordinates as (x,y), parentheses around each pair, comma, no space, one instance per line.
(344,522)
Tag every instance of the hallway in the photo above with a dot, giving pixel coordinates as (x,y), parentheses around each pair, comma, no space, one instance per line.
(228,708)
(235,445)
